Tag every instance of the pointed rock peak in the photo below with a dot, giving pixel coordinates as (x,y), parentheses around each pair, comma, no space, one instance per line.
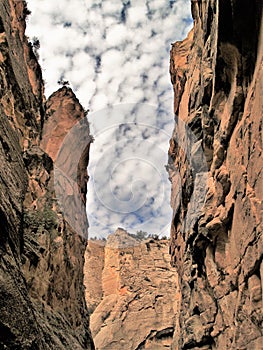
(63,91)
(63,112)
(121,239)
(120,231)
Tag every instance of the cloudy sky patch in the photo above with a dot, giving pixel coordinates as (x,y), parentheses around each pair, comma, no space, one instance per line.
(115,55)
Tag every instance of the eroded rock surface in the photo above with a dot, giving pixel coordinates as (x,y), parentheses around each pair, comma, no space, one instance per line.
(133,307)
(42,303)
(217,74)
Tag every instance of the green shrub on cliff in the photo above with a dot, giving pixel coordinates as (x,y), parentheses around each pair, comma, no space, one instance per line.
(40,219)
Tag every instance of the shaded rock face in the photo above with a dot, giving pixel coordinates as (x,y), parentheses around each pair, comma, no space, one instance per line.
(131,298)
(42,303)
(217,75)
(93,268)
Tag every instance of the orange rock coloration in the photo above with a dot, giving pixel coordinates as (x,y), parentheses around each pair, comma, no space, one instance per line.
(217,74)
(129,284)
(42,304)
(211,297)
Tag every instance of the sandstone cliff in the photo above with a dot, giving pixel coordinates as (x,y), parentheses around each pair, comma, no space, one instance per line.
(42,303)
(217,74)
(132,283)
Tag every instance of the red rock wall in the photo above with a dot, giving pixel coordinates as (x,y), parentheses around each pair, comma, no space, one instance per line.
(217,78)
(131,283)
(42,303)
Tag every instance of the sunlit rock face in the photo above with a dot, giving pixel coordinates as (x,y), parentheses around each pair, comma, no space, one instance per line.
(42,303)
(132,285)
(217,74)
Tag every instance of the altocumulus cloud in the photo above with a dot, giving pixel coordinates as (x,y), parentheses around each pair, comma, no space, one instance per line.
(115,54)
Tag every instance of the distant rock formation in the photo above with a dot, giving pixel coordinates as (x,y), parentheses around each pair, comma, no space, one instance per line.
(132,284)
(42,304)
(217,75)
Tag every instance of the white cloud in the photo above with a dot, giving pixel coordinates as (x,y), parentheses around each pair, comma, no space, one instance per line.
(111,7)
(117,34)
(99,100)
(136,15)
(111,61)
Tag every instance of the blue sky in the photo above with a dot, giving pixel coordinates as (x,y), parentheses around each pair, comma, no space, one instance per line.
(115,54)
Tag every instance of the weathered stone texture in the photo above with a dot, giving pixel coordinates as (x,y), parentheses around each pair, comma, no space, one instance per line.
(218,86)
(133,307)
(42,303)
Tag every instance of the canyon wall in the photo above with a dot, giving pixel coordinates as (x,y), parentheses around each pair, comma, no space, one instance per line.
(129,285)
(211,297)
(42,303)
(217,75)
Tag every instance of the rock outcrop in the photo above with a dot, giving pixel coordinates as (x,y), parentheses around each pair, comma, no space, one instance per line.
(42,304)
(217,74)
(131,293)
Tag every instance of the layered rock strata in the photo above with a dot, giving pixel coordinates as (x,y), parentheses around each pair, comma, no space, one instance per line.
(217,75)
(42,303)
(131,297)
